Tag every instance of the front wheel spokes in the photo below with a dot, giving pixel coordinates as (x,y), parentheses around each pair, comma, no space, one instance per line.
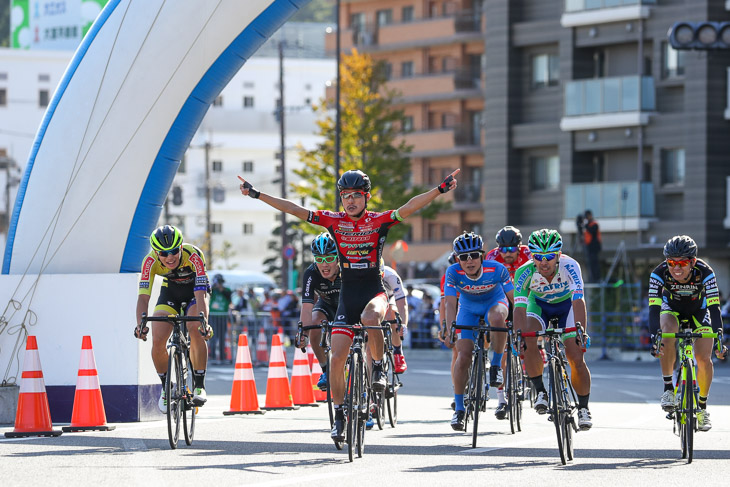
(352,405)
(173,395)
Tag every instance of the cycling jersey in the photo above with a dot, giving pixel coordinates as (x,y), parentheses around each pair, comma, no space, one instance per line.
(189,272)
(359,243)
(522,258)
(695,297)
(393,285)
(493,281)
(314,283)
(530,285)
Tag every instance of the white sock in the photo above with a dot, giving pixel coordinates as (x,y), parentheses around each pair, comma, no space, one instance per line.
(500,396)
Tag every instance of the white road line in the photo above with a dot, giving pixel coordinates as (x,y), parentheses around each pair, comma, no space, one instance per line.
(299,480)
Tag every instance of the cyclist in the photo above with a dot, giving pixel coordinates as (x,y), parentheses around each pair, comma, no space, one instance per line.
(549,287)
(396,303)
(484,288)
(512,254)
(442,313)
(684,287)
(184,291)
(323,280)
(360,236)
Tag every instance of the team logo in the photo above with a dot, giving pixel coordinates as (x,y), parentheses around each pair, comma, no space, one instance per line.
(147,267)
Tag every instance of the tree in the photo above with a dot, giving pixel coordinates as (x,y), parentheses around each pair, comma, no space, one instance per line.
(370,140)
(316,11)
(225,255)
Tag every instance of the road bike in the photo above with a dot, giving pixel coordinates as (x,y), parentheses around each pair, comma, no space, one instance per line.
(477,383)
(179,385)
(514,380)
(686,390)
(562,399)
(388,399)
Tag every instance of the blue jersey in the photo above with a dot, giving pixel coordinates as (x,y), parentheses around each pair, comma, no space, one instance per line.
(494,283)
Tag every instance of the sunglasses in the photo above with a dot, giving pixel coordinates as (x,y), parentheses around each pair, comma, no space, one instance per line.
(677,263)
(357,195)
(469,255)
(508,249)
(325,259)
(165,253)
(550,256)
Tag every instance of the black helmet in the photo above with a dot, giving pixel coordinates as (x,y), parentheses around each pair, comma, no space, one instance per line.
(354,179)
(509,237)
(680,246)
(165,238)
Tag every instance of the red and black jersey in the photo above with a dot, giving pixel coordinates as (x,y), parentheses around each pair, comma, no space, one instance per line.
(359,243)
(523,257)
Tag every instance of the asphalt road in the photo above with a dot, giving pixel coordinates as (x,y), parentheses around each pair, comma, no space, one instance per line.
(631,442)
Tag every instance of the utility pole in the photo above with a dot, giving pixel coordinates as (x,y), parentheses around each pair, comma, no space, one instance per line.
(282,154)
(337,108)
(208,239)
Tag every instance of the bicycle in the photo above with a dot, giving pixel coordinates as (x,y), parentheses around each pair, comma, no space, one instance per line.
(562,399)
(388,399)
(477,384)
(324,343)
(179,384)
(514,380)
(686,390)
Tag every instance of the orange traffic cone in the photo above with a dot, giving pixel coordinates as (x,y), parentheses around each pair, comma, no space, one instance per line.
(310,356)
(33,417)
(301,380)
(244,399)
(262,354)
(88,413)
(319,396)
(278,395)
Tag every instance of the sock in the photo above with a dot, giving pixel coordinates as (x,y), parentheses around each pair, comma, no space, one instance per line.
(497,359)
(500,396)
(537,382)
(199,379)
(703,402)
(324,368)
(583,401)
(397,350)
(378,364)
(163,378)
(339,410)
(668,386)
(458,402)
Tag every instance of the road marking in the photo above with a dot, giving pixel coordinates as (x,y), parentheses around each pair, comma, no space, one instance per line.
(299,480)
(511,445)
(637,394)
(430,372)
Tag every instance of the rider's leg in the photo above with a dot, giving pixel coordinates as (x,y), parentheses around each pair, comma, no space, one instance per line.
(579,373)
(496,317)
(315,335)
(373,315)
(464,348)
(705,369)
(340,350)
(160,333)
(668,323)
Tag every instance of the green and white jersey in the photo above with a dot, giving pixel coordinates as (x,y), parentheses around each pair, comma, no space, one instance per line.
(567,283)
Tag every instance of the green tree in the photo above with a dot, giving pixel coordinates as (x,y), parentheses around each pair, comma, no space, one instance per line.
(316,11)
(370,140)
(225,254)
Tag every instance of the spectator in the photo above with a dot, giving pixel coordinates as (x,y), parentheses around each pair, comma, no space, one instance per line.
(592,241)
(241,301)
(414,303)
(220,304)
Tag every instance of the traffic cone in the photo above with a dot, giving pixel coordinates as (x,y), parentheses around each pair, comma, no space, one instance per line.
(319,396)
(88,413)
(301,380)
(33,416)
(310,356)
(278,394)
(244,399)
(262,354)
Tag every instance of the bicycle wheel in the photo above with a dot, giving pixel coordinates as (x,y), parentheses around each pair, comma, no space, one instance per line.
(555,408)
(173,393)
(330,404)
(378,398)
(352,405)
(688,409)
(189,411)
(391,393)
(478,392)
(565,389)
(513,393)
(363,406)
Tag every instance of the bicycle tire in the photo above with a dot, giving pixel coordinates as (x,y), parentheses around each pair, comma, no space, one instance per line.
(351,409)
(514,392)
(555,408)
(566,389)
(330,404)
(363,408)
(478,395)
(379,398)
(173,393)
(689,408)
(391,394)
(190,411)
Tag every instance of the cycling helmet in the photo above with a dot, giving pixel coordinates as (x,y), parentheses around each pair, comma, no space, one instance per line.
(468,242)
(354,179)
(166,237)
(324,244)
(509,237)
(680,246)
(543,241)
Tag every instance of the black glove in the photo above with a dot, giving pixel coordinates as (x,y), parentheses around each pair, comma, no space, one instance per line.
(141,332)
(445,186)
(253,193)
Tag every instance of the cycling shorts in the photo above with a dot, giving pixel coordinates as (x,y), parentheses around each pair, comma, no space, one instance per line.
(354,297)
(175,299)
(326,309)
(543,312)
(699,318)
(469,314)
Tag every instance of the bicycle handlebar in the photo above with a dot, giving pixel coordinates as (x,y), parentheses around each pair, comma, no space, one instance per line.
(687,335)
(174,319)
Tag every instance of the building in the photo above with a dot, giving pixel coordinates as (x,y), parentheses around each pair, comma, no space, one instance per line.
(583,105)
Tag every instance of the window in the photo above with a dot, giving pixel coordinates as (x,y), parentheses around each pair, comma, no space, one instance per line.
(673,61)
(307,102)
(406,69)
(384,17)
(387,70)
(44,78)
(545,70)
(248,102)
(43,98)
(247,166)
(545,172)
(673,166)
(249,84)
(3,97)
(407,14)
(218,102)
(217,166)
(248,228)
(3,76)
(183,163)
(216,227)
(357,21)
(308,86)
(407,124)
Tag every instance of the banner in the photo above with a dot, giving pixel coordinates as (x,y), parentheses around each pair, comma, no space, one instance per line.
(51,24)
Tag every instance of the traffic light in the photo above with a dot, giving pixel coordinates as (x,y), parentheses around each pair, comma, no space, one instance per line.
(700,35)
(177,195)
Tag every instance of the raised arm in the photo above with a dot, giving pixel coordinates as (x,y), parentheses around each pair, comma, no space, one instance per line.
(279,203)
(423,199)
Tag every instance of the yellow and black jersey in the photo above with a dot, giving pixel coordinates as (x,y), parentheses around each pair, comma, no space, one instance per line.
(189,272)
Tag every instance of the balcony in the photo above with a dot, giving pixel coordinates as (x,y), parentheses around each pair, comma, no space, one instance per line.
(443,142)
(608,102)
(443,85)
(620,206)
(591,12)
(468,196)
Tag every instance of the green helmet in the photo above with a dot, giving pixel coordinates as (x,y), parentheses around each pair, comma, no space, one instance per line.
(166,238)
(543,241)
